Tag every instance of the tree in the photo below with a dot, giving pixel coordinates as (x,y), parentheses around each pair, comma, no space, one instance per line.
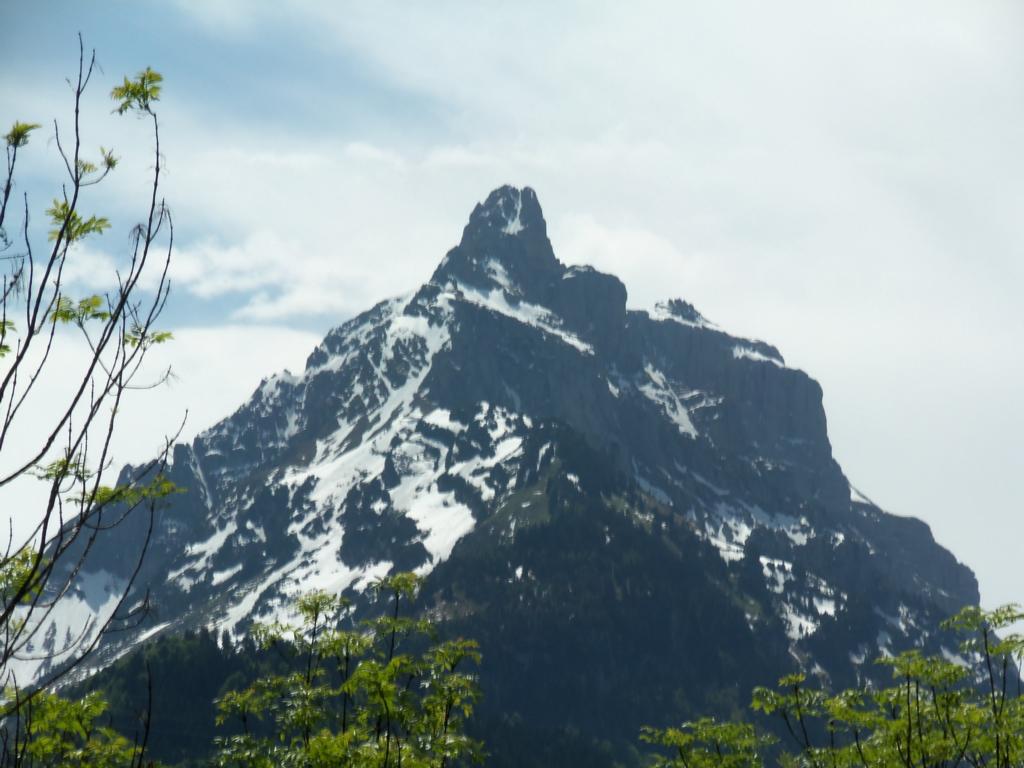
(381,693)
(55,732)
(69,453)
(706,743)
(941,711)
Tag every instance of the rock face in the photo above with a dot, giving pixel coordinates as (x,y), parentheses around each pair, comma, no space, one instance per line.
(636,514)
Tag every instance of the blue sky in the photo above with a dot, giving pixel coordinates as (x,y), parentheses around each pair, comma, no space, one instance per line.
(841,179)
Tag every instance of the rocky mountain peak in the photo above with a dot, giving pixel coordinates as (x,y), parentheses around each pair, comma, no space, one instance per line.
(509,210)
(563,471)
(505,261)
(504,246)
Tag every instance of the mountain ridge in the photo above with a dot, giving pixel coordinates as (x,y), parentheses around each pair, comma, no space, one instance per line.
(678,478)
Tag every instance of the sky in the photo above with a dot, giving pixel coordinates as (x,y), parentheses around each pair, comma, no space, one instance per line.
(843,180)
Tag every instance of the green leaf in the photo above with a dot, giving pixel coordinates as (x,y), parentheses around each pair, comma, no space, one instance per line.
(65,219)
(138,94)
(69,312)
(109,161)
(19,133)
(707,743)
(130,495)
(6,327)
(19,572)
(353,702)
(138,336)
(62,469)
(65,732)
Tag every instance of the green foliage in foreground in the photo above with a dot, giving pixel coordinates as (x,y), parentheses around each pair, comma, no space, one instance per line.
(381,694)
(329,692)
(938,713)
(57,732)
(325,691)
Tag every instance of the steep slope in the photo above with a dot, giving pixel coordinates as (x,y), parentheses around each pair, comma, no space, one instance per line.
(635,512)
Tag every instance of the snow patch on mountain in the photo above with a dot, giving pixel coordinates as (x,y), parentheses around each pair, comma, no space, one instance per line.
(198,556)
(858,497)
(776,572)
(824,605)
(476,470)
(497,272)
(60,630)
(219,577)
(442,419)
(798,624)
(441,519)
(513,219)
(659,390)
(742,351)
(739,518)
(534,315)
(663,312)
(729,551)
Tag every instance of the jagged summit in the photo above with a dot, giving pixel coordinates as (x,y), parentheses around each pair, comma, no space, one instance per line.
(505,245)
(510,210)
(505,262)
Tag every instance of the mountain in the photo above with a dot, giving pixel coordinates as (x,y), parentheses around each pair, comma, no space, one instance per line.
(637,514)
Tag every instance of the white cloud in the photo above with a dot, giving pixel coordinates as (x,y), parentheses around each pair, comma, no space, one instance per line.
(90,268)
(455,156)
(215,370)
(360,150)
(208,269)
(638,257)
(226,18)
